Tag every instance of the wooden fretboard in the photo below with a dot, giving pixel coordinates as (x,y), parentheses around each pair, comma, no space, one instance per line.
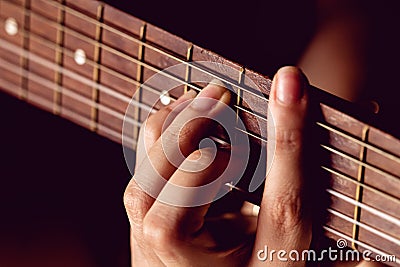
(84,60)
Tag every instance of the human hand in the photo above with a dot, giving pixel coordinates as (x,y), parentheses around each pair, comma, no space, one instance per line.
(182,235)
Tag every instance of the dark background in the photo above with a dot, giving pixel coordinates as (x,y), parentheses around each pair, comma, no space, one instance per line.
(61,186)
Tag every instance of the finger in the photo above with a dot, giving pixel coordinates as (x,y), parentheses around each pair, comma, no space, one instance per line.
(282,223)
(180,139)
(171,229)
(153,125)
(155,164)
(136,201)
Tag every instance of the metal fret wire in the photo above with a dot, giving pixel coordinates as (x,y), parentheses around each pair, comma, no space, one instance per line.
(372,249)
(25,44)
(94,64)
(359,162)
(356,140)
(139,42)
(48,104)
(81,118)
(263,140)
(129,58)
(373,189)
(147,108)
(366,207)
(101,107)
(360,142)
(50,85)
(112,50)
(365,226)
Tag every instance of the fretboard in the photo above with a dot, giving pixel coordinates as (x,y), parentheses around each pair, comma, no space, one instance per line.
(84,60)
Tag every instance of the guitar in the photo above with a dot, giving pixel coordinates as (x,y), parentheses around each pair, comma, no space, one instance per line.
(80,61)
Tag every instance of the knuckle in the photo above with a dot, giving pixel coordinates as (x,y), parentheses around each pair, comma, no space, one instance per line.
(288,140)
(179,133)
(286,211)
(151,129)
(158,234)
(135,203)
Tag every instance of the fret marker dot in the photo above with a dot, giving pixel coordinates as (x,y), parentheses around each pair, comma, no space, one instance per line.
(80,57)
(165,98)
(11,26)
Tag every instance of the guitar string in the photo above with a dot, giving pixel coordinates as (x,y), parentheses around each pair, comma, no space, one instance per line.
(152,47)
(370,229)
(335,213)
(49,105)
(73,75)
(366,186)
(366,207)
(132,59)
(362,163)
(45,63)
(359,243)
(112,50)
(67,92)
(80,36)
(110,71)
(87,121)
(12,88)
(359,142)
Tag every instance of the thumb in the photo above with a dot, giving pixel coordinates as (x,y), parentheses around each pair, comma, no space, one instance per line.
(282,223)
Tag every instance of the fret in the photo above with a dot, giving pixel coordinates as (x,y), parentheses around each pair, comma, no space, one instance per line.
(342,121)
(114,64)
(118,71)
(96,69)
(239,96)
(59,59)
(359,189)
(365,236)
(86,70)
(256,105)
(379,199)
(25,45)
(392,146)
(377,241)
(139,77)
(334,234)
(189,55)
(41,28)
(180,50)
(123,70)
(79,41)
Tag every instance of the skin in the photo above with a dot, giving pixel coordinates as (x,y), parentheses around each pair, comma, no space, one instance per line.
(166,235)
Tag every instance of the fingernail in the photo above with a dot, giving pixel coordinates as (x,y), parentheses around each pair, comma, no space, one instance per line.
(289,85)
(188,95)
(205,100)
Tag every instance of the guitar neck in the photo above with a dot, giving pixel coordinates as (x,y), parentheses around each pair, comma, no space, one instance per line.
(85,60)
